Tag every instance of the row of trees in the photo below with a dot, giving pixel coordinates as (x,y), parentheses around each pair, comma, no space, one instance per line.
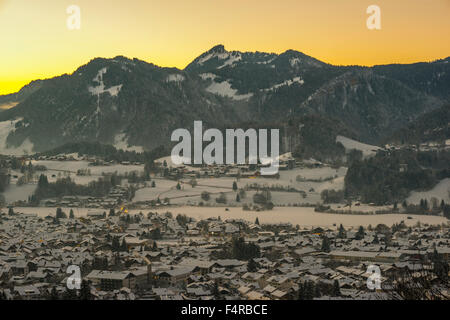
(239,250)
(332,196)
(424,207)
(67,187)
(116,246)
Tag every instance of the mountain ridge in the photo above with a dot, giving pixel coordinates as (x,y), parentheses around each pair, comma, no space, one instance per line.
(129,102)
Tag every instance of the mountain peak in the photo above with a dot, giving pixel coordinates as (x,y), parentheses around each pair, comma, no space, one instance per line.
(220,48)
(299,57)
(217,52)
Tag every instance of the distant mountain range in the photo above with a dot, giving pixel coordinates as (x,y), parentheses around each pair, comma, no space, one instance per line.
(136,105)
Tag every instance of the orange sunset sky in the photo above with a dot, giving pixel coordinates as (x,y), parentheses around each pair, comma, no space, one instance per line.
(35,42)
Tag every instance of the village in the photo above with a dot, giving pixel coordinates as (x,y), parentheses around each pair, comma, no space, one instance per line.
(82,227)
(163,256)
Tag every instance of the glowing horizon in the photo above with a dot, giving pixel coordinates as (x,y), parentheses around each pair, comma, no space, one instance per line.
(36,43)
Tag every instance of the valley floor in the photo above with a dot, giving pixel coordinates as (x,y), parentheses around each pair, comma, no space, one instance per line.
(304,217)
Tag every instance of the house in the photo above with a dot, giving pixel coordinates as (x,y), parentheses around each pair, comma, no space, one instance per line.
(112,280)
(175,276)
(231,228)
(254,295)
(143,276)
(279,294)
(136,242)
(37,275)
(199,266)
(20,267)
(228,263)
(27,292)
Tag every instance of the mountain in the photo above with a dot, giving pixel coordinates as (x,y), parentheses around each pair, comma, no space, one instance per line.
(376,101)
(372,104)
(256,76)
(116,101)
(136,105)
(430,78)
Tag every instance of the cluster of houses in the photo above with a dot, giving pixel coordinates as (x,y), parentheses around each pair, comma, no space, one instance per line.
(160,256)
(93,160)
(286,162)
(425,146)
(116,196)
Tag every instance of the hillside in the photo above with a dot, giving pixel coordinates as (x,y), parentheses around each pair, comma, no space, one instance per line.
(430,127)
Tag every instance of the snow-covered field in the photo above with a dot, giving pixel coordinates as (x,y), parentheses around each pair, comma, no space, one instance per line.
(188,195)
(8,105)
(224,89)
(100,88)
(170,163)
(289,178)
(73,166)
(60,169)
(305,217)
(335,184)
(206,76)
(160,190)
(175,78)
(288,83)
(121,143)
(349,144)
(441,192)
(314,174)
(167,189)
